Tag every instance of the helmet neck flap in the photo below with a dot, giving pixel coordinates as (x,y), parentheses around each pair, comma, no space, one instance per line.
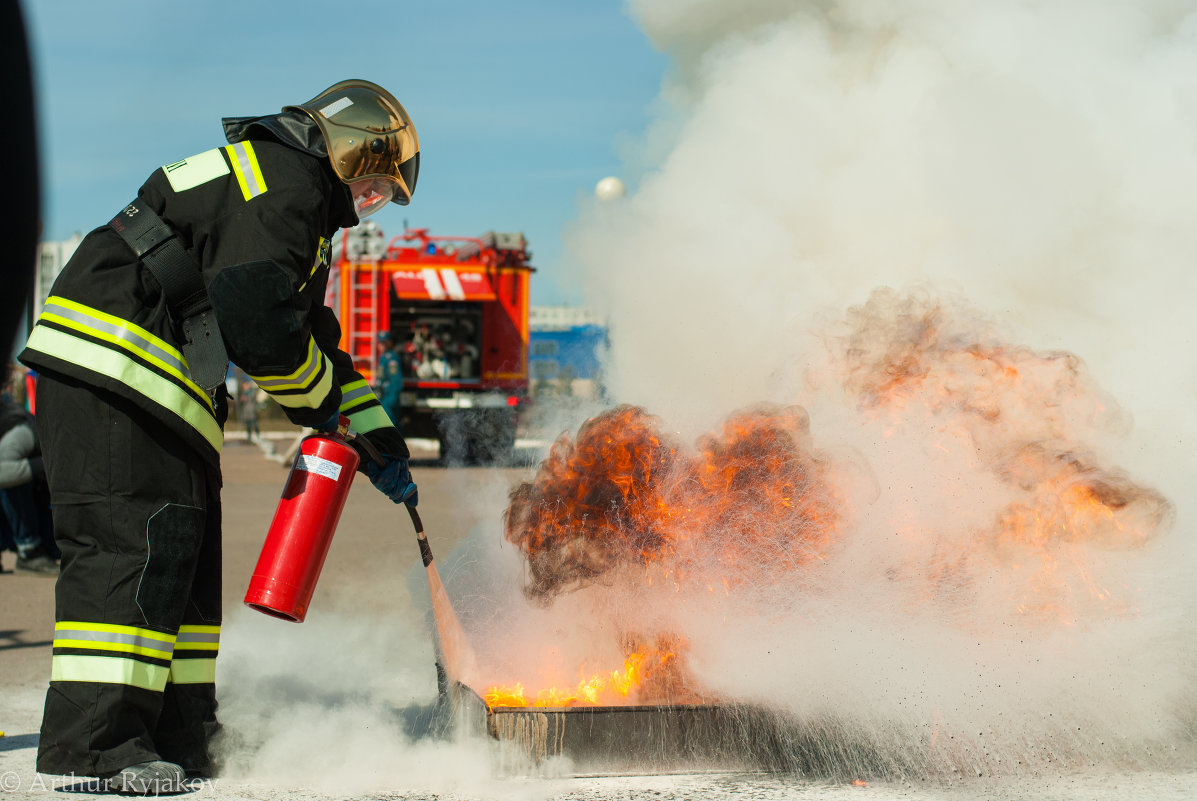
(297,130)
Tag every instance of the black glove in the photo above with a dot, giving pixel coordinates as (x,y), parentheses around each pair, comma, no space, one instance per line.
(393,479)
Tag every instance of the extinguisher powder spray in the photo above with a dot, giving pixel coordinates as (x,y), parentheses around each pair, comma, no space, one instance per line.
(304,523)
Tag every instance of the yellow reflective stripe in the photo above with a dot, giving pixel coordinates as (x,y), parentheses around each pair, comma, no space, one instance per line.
(106,361)
(316,266)
(314,369)
(111,637)
(193,671)
(310,399)
(108,670)
(245,167)
(369,420)
(355,394)
(299,378)
(122,333)
(198,638)
(113,628)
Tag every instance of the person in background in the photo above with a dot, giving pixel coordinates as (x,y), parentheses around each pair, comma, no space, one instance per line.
(247,407)
(24,497)
(223,256)
(14,385)
(390,377)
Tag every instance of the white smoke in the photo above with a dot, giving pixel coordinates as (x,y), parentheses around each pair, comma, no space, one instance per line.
(1031,164)
(1039,156)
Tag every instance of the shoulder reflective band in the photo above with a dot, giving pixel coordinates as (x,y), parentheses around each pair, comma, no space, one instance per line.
(245,167)
(307,386)
(195,170)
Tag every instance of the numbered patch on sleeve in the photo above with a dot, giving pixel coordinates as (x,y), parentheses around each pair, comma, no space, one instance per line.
(195,170)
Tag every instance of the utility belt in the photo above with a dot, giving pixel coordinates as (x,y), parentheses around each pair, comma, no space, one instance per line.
(159,249)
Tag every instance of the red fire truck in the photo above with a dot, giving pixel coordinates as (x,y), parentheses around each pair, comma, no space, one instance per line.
(458,309)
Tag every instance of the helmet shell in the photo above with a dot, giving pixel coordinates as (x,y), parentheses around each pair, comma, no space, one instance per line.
(368,134)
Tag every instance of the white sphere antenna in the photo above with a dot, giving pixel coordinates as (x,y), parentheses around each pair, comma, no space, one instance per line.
(610,188)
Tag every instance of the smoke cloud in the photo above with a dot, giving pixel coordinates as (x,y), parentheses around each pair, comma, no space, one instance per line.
(953,238)
(957,236)
(1037,157)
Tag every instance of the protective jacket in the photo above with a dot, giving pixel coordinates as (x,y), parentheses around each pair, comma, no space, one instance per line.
(132,442)
(257,216)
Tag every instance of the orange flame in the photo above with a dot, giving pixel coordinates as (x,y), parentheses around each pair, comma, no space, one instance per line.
(755,502)
(622,493)
(605,688)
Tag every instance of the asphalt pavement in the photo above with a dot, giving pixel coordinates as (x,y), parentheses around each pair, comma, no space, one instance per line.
(324,707)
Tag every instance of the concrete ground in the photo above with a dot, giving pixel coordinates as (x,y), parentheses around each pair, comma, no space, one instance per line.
(341,683)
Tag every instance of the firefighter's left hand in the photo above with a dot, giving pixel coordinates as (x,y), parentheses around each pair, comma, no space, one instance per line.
(393,479)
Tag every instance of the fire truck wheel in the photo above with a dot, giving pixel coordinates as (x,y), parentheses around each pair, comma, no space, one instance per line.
(478,437)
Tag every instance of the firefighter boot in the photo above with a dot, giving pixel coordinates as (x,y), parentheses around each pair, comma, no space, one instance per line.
(148,778)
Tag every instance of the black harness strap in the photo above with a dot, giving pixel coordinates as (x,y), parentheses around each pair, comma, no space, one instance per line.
(156,245)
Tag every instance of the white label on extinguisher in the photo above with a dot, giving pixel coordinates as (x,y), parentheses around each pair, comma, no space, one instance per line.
(321,467)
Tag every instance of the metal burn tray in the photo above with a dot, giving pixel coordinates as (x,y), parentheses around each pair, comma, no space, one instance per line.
(681,737)
(650,739)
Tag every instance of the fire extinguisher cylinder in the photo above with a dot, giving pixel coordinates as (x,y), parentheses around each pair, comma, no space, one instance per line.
(302,530)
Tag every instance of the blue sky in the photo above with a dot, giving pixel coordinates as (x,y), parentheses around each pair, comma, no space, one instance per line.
(519,105)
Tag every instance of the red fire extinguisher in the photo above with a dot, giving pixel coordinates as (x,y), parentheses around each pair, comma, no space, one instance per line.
(304,522)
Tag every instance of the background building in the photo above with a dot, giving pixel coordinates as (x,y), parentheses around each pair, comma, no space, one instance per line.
(566,345)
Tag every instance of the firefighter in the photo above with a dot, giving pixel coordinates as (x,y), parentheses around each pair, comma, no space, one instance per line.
(390,376)
(223,256)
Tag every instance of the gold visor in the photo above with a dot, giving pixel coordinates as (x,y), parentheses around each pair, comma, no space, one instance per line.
(369,135)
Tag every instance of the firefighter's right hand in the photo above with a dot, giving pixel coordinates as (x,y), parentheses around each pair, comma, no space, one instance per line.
(393,479)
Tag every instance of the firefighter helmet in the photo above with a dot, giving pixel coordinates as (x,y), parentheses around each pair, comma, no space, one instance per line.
(371,142)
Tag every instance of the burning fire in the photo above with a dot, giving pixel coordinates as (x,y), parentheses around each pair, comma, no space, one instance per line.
(599,688)
(623,503)
(1024,417)
(623,493)
(650,674)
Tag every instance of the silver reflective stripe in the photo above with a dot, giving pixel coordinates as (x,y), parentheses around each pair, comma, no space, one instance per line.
(252,187)
(213,637)
(117,332)
(164,644)
(352,395)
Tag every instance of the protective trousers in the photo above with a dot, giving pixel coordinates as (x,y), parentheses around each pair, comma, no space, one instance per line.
(137,516)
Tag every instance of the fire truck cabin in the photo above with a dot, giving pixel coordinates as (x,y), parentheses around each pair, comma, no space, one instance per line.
(457,307)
